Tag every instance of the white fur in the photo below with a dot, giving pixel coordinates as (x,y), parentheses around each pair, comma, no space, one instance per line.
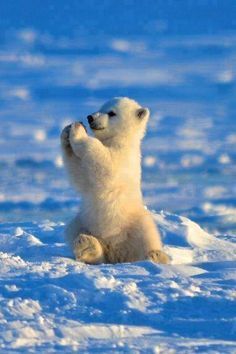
(113,224)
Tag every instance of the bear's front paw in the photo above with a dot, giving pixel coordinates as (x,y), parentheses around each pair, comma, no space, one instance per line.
(65,141)
(88,249)
(77,131)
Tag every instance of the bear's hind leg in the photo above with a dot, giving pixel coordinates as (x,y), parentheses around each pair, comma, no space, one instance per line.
(88,249)
(146,240)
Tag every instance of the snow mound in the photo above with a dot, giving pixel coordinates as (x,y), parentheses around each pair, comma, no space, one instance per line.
(187,242)
(48,300)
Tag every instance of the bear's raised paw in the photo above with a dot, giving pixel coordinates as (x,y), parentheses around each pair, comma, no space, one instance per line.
(77,131)
(65,141)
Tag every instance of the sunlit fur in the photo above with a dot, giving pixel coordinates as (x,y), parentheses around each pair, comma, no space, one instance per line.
(106,169)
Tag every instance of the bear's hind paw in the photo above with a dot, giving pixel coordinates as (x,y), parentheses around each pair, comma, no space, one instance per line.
(88,249)
(158,256)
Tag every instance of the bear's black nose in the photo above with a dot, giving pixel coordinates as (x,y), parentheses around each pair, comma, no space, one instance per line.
(90,119)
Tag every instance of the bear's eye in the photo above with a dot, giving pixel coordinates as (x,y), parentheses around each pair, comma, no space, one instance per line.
(111,114)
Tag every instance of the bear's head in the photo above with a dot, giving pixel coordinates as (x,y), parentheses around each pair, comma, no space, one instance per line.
(121,117)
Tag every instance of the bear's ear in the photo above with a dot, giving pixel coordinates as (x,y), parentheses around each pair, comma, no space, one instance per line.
(142,112)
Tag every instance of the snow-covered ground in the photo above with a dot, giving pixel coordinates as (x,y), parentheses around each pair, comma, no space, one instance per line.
(181,64)
(50,302)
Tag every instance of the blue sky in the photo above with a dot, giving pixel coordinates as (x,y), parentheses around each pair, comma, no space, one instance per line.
(119,18)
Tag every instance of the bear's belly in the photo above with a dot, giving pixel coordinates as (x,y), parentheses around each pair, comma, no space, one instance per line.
(108,217)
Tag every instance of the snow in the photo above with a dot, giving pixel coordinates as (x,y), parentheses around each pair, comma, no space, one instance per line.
(48,300)
(180,63)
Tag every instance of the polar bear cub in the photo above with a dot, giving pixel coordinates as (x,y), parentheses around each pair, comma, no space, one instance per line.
(112,225)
